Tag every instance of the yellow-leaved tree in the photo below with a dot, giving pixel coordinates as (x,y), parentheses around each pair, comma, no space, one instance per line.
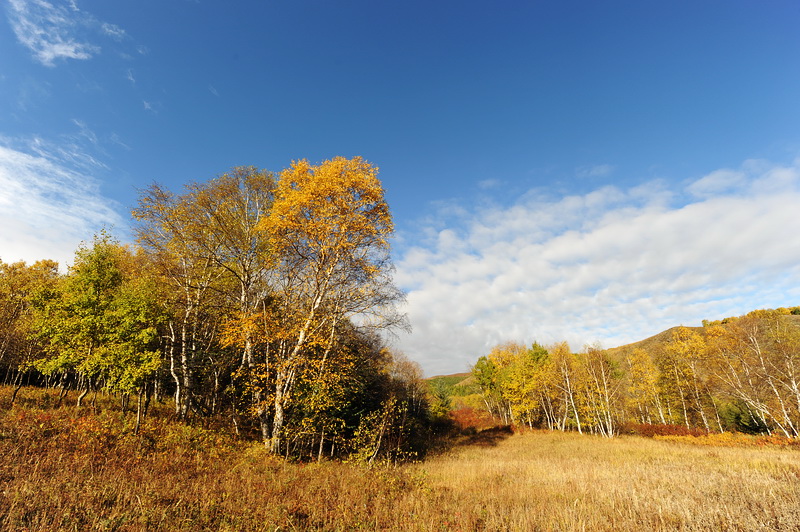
(328,232)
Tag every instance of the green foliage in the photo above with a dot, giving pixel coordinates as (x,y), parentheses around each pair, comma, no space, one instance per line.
(99,320)
(19,283)
(440,393)
(737,417)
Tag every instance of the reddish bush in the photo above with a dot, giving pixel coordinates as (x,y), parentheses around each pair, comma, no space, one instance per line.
(469,418)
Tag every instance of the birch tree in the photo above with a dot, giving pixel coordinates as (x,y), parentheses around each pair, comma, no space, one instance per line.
(328,230)
(756,358)
(19,283)
(213,262)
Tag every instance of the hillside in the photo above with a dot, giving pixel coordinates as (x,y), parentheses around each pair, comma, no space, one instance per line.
(450,380)
(654,342)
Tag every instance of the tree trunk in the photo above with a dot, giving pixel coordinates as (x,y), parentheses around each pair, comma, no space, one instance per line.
(85,392)
(138,411)
(17,387)
(274,443)
(183,407)
(173,369)
(148,394)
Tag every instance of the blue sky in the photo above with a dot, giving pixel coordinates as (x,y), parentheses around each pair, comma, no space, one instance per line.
(558,170)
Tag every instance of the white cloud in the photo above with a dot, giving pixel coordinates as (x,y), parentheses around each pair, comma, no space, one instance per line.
(598,170)
(612,266)
(719,181)
(58,30)
(117,140)
(48,205)
(487,184)
(49,30)
(85,132)
(114,31)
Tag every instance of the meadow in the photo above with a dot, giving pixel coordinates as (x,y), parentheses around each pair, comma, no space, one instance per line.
(64,468)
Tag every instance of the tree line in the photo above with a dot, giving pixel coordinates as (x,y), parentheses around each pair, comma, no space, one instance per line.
(738,374)
(257,296)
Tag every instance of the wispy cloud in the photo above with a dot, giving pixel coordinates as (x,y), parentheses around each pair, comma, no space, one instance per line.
(598,170)
(614,266)
(85,132)
(488,184)
(49,30)
(48,204)
(117,140)
(114,31)
(58,30)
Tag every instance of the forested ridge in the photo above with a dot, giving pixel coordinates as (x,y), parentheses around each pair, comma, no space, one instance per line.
(254,297)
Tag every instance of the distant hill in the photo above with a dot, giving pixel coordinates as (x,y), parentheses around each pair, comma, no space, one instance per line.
(450,380)
(456,384)
(653,342)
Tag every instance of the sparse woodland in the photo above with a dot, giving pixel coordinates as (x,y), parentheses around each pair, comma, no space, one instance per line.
(739,374)
(230,372)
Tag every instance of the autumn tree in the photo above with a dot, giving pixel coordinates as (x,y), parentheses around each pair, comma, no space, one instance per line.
(488,377)
(525,379)
(493,374)
(396,424)
(277,272)
(213,265)
(99,321)
(328,230)
(756,358)
(18,284)
(690,352)
(601,390)
(737,373)
(642,393)
(568,382)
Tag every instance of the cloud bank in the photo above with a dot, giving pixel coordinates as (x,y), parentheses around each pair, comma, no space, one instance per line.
(612,266)
(49,204)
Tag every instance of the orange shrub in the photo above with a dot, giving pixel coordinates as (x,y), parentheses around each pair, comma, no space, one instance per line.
(469,418)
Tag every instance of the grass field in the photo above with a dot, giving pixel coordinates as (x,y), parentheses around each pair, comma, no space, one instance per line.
(64,469)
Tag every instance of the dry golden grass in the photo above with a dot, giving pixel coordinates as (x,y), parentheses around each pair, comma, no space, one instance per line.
(556,481)
(64,469)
